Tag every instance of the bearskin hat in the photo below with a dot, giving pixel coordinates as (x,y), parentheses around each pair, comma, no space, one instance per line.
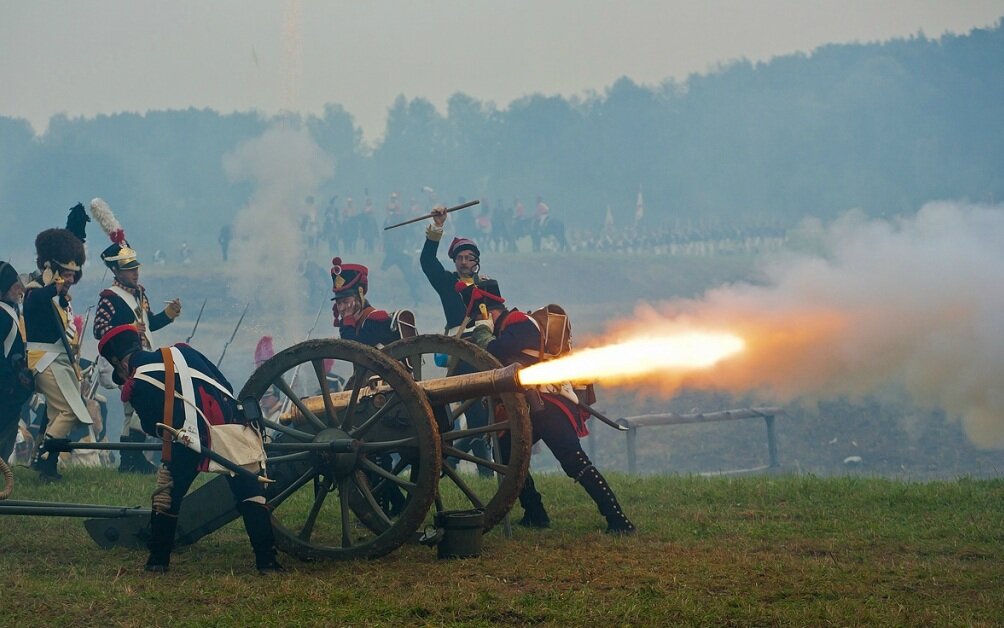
(60,248)
(349,279)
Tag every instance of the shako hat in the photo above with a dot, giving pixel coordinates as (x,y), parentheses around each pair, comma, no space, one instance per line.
(484,292)
(119,255)
(118,342)
(8,277)
(349,280)
(463,244)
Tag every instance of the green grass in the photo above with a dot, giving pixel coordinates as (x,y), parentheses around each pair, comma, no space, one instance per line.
(771,550)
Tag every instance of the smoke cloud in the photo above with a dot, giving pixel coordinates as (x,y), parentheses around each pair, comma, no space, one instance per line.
(911,304)
(286,166)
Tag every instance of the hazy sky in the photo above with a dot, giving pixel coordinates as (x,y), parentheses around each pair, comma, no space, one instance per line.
(107,56)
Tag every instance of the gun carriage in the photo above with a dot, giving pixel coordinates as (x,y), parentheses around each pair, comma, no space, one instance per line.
(337,452)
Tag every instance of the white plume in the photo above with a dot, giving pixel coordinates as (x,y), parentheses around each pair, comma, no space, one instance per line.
(104,216)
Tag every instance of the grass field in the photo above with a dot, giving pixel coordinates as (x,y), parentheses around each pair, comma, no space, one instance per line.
(770,550)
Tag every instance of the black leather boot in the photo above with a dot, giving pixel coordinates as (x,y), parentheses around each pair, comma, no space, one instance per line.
(45,463)
(134,461)
(597,487)
(258,524)
(161,542)
(534,514)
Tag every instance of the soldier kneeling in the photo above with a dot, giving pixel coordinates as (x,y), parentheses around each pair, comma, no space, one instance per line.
(202,397)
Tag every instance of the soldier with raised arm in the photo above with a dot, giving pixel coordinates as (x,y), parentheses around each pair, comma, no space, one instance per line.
(466,258)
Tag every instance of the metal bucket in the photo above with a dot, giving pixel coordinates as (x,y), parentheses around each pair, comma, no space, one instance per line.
(462,530)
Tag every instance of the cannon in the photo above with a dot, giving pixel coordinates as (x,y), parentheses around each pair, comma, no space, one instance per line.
(338,452)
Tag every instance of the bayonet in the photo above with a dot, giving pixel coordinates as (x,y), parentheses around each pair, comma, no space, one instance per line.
(233,335)
(197,319)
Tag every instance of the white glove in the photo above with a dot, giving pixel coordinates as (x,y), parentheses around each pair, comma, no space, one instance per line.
(487,322)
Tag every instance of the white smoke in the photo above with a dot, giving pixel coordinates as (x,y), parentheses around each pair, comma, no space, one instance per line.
(911,303)
(286,166)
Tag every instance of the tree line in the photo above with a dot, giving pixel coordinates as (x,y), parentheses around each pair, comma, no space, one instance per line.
(883,127)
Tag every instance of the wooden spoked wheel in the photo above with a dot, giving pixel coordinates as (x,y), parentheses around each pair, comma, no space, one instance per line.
(476,474)
(343,452)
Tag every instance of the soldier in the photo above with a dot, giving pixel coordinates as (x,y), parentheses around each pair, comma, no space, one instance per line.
(512,336)
(357,320)
(51,338)
(16,383)
(203,397)
(125,303)
(467,263)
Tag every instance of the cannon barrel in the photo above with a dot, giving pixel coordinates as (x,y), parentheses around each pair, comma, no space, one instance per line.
(439,391)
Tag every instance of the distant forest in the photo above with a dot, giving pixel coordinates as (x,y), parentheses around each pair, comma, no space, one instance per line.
(884,127)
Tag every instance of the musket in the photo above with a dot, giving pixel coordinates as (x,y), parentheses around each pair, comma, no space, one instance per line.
(431,214)
(233,335)
(197,319)
(67,346)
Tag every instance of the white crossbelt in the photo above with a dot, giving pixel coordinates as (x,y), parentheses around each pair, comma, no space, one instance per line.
(186,375)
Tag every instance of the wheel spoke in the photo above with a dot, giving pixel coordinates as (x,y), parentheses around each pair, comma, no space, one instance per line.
(322,379)
(384,473)
(453,435)
(287,430)
(367,494)
(292,488)
(392,402)
(465,489)
(491,464)
(358,381)
(463,407)
(320,492)
(343,503)
(396,471)
(281,384)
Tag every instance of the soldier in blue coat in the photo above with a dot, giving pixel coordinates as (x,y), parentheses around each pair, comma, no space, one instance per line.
(16,382)
(357,320)
(512,336)
(125,303)
(202,396)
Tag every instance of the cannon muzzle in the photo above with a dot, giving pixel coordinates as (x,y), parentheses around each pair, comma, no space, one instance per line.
(439,391)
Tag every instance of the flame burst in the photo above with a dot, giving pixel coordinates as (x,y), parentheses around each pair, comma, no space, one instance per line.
(637,357)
